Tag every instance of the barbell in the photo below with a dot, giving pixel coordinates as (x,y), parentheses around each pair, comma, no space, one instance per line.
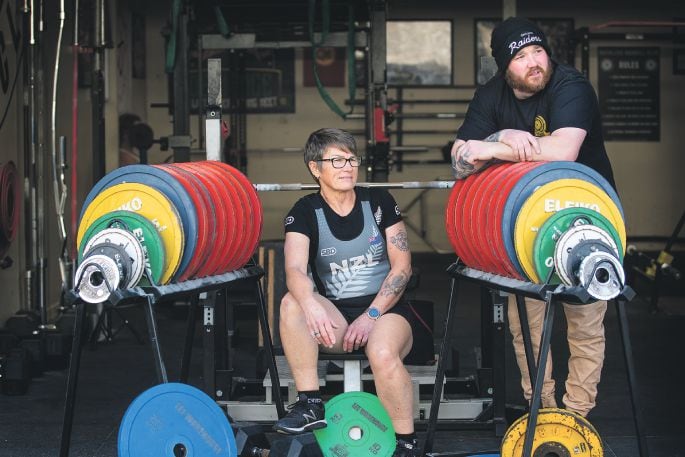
(209,217)
(381,185)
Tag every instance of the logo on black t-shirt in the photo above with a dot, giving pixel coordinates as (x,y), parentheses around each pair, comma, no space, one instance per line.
(289,220)
(541,126)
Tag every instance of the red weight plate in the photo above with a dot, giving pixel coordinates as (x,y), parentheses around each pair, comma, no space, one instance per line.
(517,170)
(205,235)
(243,218)
(470,222)
(214,192)
(449,216)
(464,242)
(479,213)
(223,199)
(224,203)
(256,206)
(491,191)
(200,214)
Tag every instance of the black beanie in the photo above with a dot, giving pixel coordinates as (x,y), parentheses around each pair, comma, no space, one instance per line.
(511,36)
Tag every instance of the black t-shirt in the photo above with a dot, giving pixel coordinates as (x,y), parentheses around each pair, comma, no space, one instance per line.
(568,100)
(302,219)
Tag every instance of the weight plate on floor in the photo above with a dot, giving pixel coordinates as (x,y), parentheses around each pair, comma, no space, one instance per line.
(550,198)
(149,203)
(144,231)
(545,173)
(558,432)
(572,238)
(175,419)
(357,425)
(165,183)
(555,226)
(131,247)
(93,276)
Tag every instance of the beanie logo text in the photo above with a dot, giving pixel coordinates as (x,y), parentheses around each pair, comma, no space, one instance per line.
(527,38)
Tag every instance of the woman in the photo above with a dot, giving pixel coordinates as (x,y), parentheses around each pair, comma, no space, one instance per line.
(354,243)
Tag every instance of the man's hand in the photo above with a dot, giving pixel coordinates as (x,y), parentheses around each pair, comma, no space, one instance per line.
(523,144)
(470,156)
(357,333)
(319,324)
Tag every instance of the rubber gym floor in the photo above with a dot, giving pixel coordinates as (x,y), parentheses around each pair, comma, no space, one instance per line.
(113,373)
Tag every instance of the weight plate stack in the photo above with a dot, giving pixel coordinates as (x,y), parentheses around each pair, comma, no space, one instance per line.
(206,214)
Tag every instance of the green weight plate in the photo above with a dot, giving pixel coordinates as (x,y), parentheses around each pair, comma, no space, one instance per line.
(150,203)
(144,231)
(357,425)
(555,226)
(551,198)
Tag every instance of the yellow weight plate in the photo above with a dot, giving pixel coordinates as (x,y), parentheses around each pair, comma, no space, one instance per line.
(149,203)
(558,432)
(550,198)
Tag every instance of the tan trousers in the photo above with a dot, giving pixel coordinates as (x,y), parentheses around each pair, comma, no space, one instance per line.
(586,346)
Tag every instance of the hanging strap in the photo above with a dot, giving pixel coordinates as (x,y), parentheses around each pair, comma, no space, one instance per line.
(171,45)
(221,21)
(351,73)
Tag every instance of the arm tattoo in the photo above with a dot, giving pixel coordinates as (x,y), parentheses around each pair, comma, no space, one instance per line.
(494,138)
(462,168)
(394,285)
(400,241)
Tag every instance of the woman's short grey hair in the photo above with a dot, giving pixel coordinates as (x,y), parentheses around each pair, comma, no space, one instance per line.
(323,139)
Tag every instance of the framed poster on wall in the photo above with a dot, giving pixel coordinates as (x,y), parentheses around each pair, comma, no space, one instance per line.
(269,79)
(419,53)
(559,33)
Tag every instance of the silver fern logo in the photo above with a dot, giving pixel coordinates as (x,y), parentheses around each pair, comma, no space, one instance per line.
(352,277)
(378,215)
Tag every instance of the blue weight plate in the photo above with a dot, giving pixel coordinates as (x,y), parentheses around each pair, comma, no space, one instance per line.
(164,182)
(175,419)
(539,176)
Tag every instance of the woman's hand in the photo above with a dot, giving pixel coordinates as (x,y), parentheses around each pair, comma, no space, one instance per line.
(357,333)
(319,324)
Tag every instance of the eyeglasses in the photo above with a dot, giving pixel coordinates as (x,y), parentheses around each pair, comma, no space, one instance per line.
(340,162)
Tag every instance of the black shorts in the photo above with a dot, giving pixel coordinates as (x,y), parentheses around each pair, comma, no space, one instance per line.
(422,348)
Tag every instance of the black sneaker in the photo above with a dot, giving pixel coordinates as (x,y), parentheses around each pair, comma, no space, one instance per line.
(303,417)
(404,449)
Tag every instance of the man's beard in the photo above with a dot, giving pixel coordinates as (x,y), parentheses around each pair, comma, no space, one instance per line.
(522,85)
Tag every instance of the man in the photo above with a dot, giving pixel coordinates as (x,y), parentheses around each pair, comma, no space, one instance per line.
(353,242)
(537,109)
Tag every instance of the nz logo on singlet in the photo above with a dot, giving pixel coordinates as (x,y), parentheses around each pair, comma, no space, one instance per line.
(352,276)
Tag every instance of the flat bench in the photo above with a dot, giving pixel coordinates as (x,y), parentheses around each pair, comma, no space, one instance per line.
(352,375)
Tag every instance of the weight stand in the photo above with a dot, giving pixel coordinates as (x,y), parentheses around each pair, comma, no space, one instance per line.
(151,295)
(551,295)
